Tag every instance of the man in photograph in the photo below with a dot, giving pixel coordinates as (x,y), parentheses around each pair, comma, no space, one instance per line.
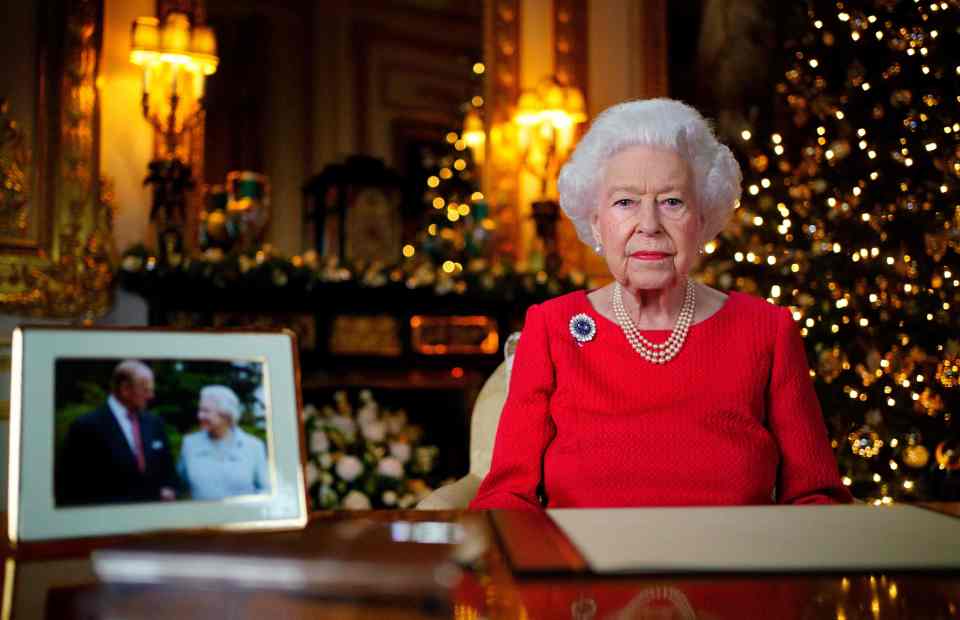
(118,453)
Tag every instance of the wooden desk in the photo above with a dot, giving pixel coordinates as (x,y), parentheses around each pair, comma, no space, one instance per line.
(38,584)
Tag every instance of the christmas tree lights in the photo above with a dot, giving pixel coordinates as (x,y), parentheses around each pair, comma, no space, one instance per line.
(851,217)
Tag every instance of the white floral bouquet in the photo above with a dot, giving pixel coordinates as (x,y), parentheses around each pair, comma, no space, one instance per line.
(368,458)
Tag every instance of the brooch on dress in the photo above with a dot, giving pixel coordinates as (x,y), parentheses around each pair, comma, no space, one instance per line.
(583,328)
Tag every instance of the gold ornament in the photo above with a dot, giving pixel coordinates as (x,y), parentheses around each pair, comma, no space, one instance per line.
(936,245)
(901,98)
(865,442)
(759,163)
(948,455)
(916,456)
(830,364)
(840,148)
(948,372)
(930,402)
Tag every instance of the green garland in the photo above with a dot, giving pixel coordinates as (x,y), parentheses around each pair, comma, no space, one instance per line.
(140,270)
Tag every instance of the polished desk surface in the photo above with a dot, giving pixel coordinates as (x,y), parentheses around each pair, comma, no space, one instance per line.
(57,581)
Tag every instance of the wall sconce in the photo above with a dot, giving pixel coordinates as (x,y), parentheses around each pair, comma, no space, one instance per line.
(176,59)
(546,121)
(547,118)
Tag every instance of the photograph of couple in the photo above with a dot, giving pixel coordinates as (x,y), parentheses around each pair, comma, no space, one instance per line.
(130,431)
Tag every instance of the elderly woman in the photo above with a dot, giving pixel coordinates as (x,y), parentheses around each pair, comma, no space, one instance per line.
(221,460)
(656,390)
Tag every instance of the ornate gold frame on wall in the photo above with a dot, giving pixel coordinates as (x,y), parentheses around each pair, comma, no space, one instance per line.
(502,44)
(501,23)
(59,266)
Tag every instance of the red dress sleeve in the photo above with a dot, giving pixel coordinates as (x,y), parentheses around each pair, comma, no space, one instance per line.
(808,470)
(525,427)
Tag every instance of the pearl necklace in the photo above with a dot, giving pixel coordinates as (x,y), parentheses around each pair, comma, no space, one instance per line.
(665,351)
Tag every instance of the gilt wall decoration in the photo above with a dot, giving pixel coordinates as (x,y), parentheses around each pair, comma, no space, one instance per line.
(55,246)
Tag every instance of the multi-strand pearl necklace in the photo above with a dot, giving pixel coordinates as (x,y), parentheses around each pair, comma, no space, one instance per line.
(663,352)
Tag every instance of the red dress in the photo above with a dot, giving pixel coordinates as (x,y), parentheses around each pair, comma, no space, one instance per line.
(733,419)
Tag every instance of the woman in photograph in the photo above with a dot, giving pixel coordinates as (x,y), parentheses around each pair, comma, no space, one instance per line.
(657,390)
(221,460)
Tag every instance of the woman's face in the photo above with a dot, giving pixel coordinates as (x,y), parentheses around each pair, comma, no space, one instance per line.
(211,419)
(647,220)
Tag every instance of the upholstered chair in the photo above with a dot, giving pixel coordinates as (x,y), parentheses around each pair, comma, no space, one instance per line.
(483,431)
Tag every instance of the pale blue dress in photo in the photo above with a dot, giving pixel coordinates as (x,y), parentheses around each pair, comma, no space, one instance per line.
(217,469)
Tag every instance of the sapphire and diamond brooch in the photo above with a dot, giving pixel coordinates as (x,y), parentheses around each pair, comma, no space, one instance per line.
(583,328)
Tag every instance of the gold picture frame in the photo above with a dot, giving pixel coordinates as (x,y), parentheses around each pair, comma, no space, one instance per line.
(74,468)
(55,251)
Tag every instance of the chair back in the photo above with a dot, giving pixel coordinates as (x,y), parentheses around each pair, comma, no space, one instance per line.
(487,409)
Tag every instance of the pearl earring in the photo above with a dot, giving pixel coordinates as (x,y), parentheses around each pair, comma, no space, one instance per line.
(598,249)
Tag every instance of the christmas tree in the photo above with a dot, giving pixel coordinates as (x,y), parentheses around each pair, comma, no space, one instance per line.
(458,228)
(851,217)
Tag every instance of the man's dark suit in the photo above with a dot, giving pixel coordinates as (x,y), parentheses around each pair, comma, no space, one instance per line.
(97,465)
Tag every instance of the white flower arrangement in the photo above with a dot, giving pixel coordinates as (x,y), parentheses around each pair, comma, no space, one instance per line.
(365,458)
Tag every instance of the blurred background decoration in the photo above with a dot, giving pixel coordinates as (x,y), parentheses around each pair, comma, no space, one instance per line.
(236,214)
(248,206)
(547,120)
(176,57)
(15,172)
(548,117)
(355,210)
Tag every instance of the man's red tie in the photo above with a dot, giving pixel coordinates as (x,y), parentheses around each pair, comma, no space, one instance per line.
(137,441)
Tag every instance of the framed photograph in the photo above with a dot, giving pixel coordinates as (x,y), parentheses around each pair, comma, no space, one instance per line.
(121,431)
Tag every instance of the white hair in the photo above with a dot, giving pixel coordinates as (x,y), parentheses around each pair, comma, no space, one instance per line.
(652,122)
(226,400)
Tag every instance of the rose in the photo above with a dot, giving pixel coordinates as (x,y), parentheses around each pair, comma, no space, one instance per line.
(396,422)
(355,500)
(313,474)
(389,498)
(368,413)
(349,467)
(346,426)
(400,450)
(326,460)
(319,442)
(374,431)
(390,467)
(310,412)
